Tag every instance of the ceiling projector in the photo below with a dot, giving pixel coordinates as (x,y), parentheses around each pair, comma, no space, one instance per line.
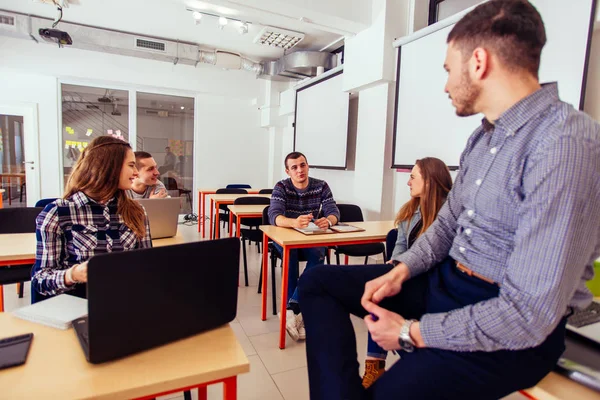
(55,35)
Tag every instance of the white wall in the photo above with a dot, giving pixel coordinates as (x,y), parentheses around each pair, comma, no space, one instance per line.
(227,118)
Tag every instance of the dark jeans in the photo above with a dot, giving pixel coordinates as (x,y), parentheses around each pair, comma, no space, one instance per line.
(313,256)
(329,293)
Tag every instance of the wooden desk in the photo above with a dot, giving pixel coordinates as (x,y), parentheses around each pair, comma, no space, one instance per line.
(56,367)
(242,211)
(8,176)
(202,193)
(217,199)
(557,387)
(16,249)
(1,193)
(289,239)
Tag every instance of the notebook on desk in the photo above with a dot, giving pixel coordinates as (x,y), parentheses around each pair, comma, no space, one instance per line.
(313,229)
(57,312)
(163,216)
(145,298)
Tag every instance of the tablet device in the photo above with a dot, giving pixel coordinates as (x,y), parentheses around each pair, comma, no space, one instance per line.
(14,350)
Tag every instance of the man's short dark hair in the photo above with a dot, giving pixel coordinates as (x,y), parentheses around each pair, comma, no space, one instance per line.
(294,155)
(512,29)
(141,155)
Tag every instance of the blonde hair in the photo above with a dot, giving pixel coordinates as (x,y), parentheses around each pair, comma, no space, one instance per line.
(97,173)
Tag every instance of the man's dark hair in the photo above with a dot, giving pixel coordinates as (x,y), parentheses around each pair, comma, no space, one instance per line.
(512,29)
(294,155)
(141,155)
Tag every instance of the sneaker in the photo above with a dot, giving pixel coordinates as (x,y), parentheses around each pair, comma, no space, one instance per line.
(300,325)
(291,324)
(373,370)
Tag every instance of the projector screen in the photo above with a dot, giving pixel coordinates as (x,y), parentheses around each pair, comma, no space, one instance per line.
(425,123)
(321,128)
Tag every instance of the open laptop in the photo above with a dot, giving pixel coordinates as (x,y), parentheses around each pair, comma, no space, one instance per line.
(581,359)
(145,298)
(163,215)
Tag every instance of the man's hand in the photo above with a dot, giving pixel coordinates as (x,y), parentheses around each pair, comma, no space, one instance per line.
(322,223)
(386,329)
(302,221)
(385,286)
(161,194)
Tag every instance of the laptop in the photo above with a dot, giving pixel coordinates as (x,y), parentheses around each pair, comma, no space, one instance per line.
(581,359)
(145,298)
(163,215)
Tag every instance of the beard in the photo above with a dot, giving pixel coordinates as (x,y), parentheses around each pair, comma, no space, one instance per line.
(466,95)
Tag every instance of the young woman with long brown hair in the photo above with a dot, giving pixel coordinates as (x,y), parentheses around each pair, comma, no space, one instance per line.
(429,183)
(95,216)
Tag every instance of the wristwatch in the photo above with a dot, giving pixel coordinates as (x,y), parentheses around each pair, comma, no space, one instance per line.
(404,339)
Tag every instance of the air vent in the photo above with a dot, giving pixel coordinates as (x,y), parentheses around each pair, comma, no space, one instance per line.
(150,45)
(160,113)
(7,22)
(277,37)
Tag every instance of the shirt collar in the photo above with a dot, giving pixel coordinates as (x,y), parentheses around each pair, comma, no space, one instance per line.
(524,110)
(81,199)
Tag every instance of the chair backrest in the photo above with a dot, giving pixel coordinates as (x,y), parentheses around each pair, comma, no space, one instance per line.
(390,242)
(265,191)
(19,220)
(170,183)
(252,200)
(350,213)
(231,191)
(44,202)
(238,186)
(266,216)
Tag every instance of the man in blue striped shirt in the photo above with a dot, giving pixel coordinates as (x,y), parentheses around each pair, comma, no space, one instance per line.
(480,299)
(295,203)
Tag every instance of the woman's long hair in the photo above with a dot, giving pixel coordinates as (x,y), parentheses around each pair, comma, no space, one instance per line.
(97,173)
(437,182)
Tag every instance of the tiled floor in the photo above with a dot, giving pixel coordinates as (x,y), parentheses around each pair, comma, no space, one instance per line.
(274,374)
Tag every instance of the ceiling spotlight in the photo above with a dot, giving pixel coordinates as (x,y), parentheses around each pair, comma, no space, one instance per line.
(222,22)
(182,107)
(197,16)
(243,28)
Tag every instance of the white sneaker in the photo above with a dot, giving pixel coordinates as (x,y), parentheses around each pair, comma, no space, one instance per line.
(301,329)
(291,324)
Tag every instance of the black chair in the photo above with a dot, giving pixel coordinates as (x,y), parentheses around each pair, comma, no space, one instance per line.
(238,186)
(252,233)
(171,184)
(265,191)
(44,202)
(17,220)
(352,213)
(390,242)
(224,216)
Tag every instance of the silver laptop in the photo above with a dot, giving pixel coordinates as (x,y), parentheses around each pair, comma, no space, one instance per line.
(163,215)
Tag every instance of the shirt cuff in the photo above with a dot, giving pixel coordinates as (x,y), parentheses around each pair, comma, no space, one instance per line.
(60,280)
(415,264)
(432,330)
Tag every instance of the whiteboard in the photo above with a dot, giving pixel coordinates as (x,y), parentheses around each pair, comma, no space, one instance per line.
(321,128)
(425,123)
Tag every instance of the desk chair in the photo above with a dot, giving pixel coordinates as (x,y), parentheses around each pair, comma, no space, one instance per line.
(44,202)
(238,186)
(252,233)
(265,191)
(352,213)
(224,217)
(17,220)
(171,184)
(390,242)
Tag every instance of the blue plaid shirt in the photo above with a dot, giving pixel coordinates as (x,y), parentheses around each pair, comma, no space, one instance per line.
(72,231)
(525,212)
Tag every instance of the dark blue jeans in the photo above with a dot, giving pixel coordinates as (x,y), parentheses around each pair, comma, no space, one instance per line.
(328,295)
(313,256)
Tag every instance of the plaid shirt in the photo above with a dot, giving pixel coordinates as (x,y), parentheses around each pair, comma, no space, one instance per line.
(72,231)
(524,211)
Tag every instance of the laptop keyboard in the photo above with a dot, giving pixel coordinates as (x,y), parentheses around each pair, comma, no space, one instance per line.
(587,316)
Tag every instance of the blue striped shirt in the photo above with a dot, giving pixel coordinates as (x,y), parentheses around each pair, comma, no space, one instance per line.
(525,212)
(71,231)
(291,202)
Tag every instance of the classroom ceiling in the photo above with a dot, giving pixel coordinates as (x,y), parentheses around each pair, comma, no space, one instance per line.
(325,22)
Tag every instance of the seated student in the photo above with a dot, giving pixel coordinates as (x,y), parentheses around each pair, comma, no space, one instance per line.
(95,216)
(295,202)
(429,183)
(147,185)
